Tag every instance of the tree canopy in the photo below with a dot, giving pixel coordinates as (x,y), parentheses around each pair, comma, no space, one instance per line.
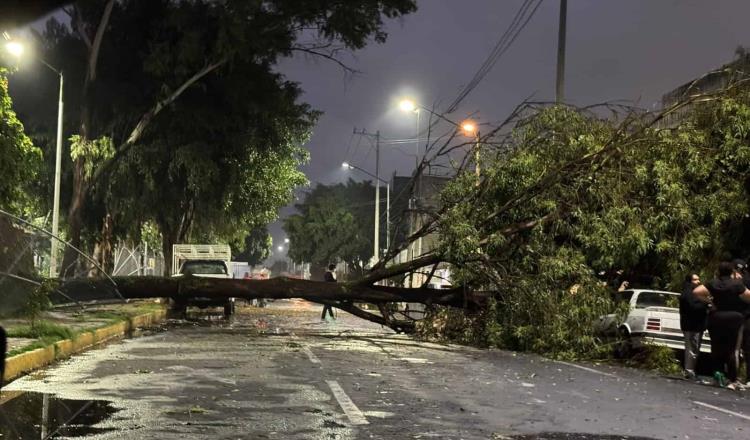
(19,158)
(130,94)
(254,248)
(333,223)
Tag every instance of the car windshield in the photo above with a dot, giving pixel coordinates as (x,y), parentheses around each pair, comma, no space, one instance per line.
(204,268)
(655,299)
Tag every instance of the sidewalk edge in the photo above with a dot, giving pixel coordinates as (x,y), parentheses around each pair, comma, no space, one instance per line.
(29,361)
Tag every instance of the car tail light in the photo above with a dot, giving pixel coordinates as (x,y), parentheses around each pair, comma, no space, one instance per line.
(653,324)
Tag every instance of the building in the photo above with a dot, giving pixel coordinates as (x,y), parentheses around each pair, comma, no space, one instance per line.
(713,81)
(415,199)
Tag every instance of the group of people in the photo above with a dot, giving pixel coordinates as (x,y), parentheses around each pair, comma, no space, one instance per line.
(721,306)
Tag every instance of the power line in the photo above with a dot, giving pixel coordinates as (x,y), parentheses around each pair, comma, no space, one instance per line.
(506,40)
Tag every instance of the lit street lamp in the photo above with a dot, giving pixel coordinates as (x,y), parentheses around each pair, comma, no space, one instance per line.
(17,49)
(409,106)
(468,128)
(349,166)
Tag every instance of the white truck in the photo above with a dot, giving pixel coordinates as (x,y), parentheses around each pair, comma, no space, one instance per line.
(206,261)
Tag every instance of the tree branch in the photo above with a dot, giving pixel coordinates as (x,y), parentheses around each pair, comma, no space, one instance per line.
(147,117)
(97,44)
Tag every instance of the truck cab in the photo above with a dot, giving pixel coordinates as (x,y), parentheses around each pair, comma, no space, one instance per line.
(204,261)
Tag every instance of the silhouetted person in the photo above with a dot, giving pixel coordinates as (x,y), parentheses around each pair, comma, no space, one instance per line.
(729,298)
(740,267)
(3,349)
(330,276)
(693,319)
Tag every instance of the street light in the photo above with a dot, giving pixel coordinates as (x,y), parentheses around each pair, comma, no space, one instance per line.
(17,49)
(286,240)
(410,106)
(14,48)
(349,166)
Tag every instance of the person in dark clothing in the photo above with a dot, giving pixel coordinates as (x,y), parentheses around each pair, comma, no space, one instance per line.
(3,349)
(729,297)
(330,276)
(693,319)
(740,267)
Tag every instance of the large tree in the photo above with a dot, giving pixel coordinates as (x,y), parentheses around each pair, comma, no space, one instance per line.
(125,79)
(333,223)
(254,248)
(19,158)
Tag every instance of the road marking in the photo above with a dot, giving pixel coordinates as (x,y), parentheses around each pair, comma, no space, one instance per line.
(725,411)
(350,409)
(591,370)
(310,355)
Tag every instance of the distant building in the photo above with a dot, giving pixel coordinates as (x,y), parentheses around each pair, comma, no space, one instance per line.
(709,82)
(415,199)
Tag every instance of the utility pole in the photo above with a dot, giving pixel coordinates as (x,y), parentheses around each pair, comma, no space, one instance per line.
(560,86)
(378,180)
(56,201)
(376,253)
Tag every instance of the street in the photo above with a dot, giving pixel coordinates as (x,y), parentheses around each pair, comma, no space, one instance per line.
(281,373)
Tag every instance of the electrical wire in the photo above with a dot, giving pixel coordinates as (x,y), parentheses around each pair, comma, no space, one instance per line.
(506,40)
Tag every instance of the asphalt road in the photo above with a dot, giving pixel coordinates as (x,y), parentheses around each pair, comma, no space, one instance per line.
(280,373)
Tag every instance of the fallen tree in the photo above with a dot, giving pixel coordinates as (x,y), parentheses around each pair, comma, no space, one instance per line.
(344,295)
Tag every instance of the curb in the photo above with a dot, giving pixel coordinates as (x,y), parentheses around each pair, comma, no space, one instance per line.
(24,363)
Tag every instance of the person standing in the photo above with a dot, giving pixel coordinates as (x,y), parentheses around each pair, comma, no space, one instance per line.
(729,298)
(3,349)
(740,267)
(693,318)
(329,276)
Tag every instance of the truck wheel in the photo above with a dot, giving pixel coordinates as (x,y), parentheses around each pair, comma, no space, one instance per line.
(229,309)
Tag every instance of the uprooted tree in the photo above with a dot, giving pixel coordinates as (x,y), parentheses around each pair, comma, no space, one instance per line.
(564,195)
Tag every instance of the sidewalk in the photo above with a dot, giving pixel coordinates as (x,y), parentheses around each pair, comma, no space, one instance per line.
(60,333)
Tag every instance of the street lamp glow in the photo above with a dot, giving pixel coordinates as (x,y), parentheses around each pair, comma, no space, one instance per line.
(14,48)
(280,248)
(346,165)
(407,105)
(286,240)
(469,128)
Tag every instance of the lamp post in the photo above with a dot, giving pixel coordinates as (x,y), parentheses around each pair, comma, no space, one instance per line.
(17,49)
(409,106)
(377,201)
(469,128)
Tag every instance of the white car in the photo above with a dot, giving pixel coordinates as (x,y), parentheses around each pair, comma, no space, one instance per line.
(654,318)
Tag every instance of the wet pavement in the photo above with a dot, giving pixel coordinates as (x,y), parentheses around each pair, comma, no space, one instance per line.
(281,373)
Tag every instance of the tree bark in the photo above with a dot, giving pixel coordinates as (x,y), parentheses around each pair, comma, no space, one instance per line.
(284,288)
(340,295)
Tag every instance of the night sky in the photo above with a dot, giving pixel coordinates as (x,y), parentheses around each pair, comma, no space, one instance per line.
(633,50)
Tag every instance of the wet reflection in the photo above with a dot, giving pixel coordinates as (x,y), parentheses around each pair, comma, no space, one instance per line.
(41,416)
(571,436)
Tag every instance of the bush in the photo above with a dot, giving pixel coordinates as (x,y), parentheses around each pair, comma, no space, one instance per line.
(38,301)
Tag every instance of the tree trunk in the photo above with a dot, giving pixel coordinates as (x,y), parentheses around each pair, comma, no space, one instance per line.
(284,288)
(340,295)
(75,221)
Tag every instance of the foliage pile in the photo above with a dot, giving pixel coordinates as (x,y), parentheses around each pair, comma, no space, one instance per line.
(571,195)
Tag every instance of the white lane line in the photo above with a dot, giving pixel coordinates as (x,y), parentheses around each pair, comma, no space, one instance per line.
(591,370)
(350,409)
(725,411)
(310,355)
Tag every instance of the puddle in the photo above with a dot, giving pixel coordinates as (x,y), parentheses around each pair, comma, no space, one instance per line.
(38,416)
(568,436)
